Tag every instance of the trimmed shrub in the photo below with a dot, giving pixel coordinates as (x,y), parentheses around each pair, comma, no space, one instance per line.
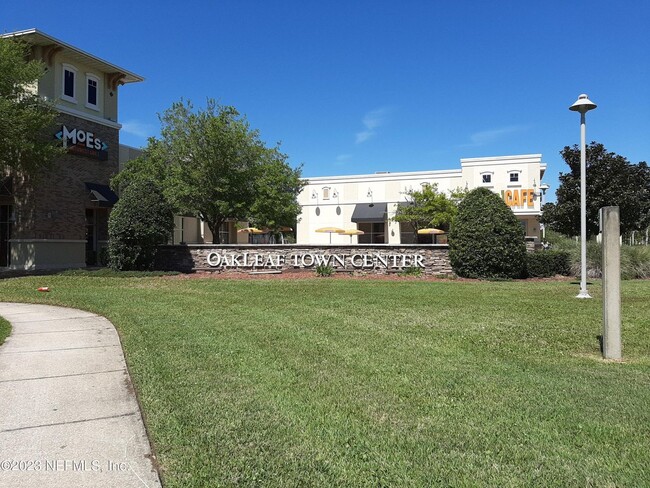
(412,271)
(486,240)
(548,263)
(324,270)
(140,221)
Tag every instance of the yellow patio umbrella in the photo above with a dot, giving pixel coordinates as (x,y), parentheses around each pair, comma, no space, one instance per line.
(352,232)
(250,230)
(330,231)
(431,231)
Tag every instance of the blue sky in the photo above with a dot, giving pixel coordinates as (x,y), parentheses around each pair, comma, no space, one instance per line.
(359,86)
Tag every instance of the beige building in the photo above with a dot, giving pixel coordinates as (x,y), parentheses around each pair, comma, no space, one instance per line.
(369,202)
(59,218)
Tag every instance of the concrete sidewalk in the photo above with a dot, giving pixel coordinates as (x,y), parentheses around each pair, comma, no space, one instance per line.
(68,416)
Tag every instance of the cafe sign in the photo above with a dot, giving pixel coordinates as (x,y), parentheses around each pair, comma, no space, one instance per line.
(519,198)
(358,261)
(83,142)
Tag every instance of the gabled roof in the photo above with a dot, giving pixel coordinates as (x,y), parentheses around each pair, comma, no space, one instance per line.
(38,38)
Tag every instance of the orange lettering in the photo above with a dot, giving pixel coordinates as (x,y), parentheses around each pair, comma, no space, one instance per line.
(515,200)
(509,198)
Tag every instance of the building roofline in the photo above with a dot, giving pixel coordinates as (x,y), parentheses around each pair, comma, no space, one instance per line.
(141,149)
(129,77)
(386,175)
(520,158)
(517,158)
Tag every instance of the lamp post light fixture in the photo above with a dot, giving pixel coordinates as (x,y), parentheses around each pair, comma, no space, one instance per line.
(372,203)
(583,105)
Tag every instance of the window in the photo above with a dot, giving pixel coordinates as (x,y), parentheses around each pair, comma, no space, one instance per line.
(326,193)
(373,233)
(69,81)
(224,233)
(407,234)
(6,187)
(486,178)
(524,226)
(514,177)
(92,91)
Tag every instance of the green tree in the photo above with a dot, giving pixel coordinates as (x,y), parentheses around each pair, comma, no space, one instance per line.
(427,208)
(140,221)
(24,116)
(277,185)
(611,180)
(486,240)
(211,164)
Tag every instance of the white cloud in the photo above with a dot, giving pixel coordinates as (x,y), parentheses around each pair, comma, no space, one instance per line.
(488,136)
(343,157)
(371,121)
(138,129)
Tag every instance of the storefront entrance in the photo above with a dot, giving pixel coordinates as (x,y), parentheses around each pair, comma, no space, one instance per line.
(5,234)
(91,237)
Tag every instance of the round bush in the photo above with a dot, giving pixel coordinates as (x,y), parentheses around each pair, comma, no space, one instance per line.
(486,240)
(140,221)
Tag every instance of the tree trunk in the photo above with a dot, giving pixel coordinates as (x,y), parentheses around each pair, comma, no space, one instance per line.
(214,228)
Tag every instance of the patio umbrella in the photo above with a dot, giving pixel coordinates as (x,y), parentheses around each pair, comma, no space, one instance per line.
(250,230)
(431,231)
(352,232)
(330,231)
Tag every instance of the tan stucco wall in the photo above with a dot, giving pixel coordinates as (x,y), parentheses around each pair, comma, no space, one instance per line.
(51,86)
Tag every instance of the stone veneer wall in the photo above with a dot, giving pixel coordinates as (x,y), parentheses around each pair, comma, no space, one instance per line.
(194,257)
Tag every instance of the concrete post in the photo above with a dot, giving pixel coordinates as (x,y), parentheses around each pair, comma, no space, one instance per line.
(610,226)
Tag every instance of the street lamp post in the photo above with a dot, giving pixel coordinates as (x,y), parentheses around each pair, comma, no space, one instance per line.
(583,105)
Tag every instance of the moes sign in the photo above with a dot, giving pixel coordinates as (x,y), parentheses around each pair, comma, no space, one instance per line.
(83,142)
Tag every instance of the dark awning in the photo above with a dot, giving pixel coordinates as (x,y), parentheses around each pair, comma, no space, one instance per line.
(404,204)
(369,212)
(101,195)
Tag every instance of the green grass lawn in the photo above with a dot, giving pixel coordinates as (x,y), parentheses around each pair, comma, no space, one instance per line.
(331,382)
(5,329)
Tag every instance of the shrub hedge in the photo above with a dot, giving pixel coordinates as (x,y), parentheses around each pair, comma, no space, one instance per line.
(486,240)
(140,221)
(548,263)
